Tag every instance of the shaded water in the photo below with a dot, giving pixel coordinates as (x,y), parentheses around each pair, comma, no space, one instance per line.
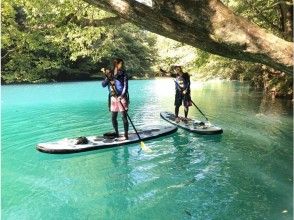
(246,173)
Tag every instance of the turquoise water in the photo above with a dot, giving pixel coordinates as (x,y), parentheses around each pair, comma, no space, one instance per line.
(246,173)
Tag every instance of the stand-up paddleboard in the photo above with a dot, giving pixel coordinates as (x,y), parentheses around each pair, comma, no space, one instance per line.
(192,125)
(72,145)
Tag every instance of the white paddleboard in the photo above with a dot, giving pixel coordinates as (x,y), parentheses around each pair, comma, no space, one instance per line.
(192,125)
(69,145)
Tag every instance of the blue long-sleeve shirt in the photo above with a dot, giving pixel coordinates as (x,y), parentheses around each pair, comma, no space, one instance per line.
(120,83)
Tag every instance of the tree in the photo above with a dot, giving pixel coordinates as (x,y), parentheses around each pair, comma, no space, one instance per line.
(266,14)
(208,25)
(42,41)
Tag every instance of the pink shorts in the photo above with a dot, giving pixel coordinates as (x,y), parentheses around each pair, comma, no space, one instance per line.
(115,105)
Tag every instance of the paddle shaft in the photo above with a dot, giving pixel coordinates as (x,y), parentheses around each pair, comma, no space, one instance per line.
(193,103)
(199,110)
(123,107)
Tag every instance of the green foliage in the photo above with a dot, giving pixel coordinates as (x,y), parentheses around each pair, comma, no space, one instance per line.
(171,52)
(40,45)
(267,15)
(219,67)
(264,13)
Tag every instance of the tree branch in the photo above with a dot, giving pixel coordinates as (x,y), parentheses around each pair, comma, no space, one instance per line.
(208,25)
(8,51)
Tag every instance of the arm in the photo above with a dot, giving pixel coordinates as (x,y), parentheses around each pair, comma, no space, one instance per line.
(177,84)
(106,72)
(187,83)
(173,75)
(105,82)
(187,89)
(125,89)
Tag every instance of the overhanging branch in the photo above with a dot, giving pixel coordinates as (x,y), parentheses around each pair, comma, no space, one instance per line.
(208,25)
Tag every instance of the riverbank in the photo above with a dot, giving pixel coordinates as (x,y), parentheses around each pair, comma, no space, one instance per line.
(280,91)
(40,82)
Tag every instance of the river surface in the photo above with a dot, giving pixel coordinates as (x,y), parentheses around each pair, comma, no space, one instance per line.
(245,173)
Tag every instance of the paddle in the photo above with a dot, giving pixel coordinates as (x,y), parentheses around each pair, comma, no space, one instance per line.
(142,144)
(194,104)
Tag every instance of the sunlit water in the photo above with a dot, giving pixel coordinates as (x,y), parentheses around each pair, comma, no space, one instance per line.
(245,173)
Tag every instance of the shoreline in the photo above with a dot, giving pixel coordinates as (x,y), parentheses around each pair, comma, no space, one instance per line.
(70,81)
(266,93)
(101,78)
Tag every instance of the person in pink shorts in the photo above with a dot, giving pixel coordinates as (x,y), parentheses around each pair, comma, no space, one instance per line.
(119,96)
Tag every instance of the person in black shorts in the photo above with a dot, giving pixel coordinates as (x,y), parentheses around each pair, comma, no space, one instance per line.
(183,93)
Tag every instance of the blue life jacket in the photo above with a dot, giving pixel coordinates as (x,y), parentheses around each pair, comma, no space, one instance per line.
(120,83)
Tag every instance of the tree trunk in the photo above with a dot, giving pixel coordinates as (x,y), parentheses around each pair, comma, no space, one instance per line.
(286,9)
(208,25)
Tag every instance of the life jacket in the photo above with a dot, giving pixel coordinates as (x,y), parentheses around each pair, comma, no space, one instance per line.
(119,80)
(182,83)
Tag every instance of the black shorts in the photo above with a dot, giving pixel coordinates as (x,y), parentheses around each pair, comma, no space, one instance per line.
(181,98)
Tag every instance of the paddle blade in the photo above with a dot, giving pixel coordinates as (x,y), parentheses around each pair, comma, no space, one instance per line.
(144,147)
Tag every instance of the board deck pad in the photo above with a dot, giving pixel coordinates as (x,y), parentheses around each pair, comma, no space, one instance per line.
(192,125)
(68,145)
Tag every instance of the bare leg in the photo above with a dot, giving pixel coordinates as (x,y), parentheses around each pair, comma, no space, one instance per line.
(177,119)
(186,110)
(177,111)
